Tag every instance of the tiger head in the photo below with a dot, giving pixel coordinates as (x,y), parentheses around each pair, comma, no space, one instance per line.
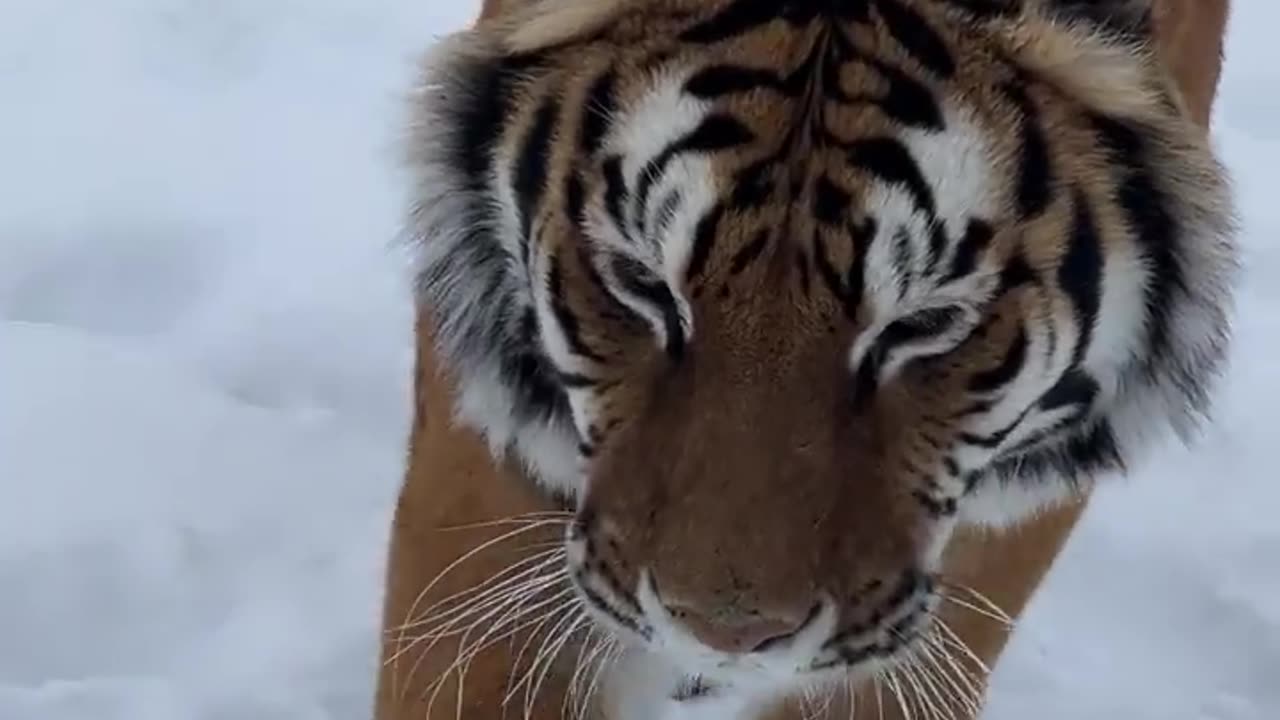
(779,293)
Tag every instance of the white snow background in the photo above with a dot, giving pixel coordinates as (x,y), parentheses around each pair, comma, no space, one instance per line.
(204,371)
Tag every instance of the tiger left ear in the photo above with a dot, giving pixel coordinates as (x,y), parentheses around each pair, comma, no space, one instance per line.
(490,9)
(1190,35)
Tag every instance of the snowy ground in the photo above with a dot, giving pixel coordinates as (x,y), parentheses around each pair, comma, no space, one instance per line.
(202,331)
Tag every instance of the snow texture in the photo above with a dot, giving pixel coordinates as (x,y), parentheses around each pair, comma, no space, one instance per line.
(204,367)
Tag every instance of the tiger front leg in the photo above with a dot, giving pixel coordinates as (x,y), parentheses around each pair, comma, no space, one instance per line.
(479,621)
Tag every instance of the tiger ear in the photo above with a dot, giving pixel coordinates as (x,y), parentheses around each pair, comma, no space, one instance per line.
(527,26)
(1190,35)
(491,9)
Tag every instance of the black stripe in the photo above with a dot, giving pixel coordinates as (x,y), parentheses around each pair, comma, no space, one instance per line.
(1016,273)
(832,277)
(739,17)
(719,80)
(1080,272)
(921,325)
(952,467)
(862,234)
(1079,457)
(575,381)
(485,112)
(903,260)
(858,11)
(937,243)
(905,99)
(977,407)
(612,311)
(1075,388)
(1129,19)
(742,16)
(648,177)
(615,193)
(575,198)
(750,253)
(564,315)
(666,212)
(530,173)
(806,275)
(890,160)
(977,236)
(603,605)
(753,185)
(866,379)
(600,103)
(986,9)
(1147,207)
(917,37)
(993,440)
(704,239)
(935,507)
(640,282)
(830,201)
(1035,170)
(529,375)
(1004,373)
(715,132)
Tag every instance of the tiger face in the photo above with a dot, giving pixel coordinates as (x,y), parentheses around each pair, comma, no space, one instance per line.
(777,294)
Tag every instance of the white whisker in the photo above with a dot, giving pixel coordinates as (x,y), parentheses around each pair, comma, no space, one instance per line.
(547,658)
(928,707)
(467,651)
(953,639)
(526,680)
(436,580)
(945,700)
(989,606)
(977,610)
(556,615)
(494,584)
(529,584)
(958,673)
(588,671)
(483,610)
(936,655)
(853,696)
(562,517)
(896,688)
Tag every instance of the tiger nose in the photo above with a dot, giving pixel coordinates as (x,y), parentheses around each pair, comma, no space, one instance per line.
(737,635)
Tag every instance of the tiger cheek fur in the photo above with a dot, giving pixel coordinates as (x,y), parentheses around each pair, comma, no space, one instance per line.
(781,293)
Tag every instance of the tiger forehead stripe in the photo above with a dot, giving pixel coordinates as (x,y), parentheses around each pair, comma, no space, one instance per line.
(657,146)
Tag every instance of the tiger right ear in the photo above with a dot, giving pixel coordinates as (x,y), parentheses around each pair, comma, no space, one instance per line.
(528,26)
(490,9)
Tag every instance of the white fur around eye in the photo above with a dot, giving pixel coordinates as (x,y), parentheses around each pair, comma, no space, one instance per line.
(946,326)
(928,331)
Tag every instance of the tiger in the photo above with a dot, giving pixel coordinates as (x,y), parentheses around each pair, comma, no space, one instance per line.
(768,352)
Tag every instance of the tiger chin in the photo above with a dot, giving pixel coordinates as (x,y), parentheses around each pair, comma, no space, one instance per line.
(796,332)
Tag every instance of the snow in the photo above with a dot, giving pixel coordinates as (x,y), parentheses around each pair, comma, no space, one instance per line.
(204,367)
